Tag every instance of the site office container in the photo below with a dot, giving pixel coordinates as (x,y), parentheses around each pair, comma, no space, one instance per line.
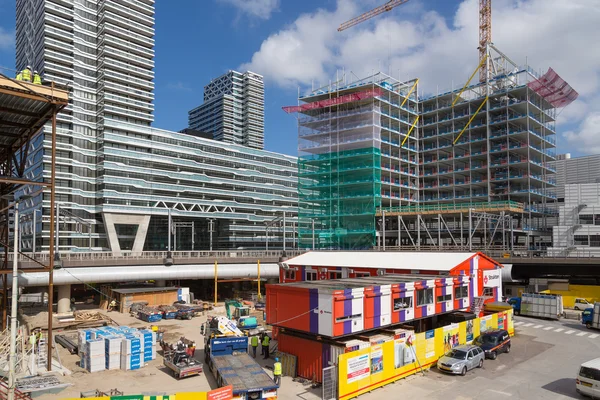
(377,302)
(312,355)
(327,309)
(461,292)
(444,295)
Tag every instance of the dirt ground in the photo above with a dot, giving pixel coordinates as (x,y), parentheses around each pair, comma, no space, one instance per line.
(153,378)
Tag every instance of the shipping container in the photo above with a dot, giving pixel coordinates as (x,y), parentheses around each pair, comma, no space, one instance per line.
(331,309)
(312,356)
(542,305)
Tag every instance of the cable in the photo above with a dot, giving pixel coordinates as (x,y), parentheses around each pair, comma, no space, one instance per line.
(297,316)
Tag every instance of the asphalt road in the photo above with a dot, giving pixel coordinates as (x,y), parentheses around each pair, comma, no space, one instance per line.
(542,364)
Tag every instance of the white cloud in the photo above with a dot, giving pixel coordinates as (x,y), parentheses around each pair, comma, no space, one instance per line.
(7,39)
(255,8)
(586,137)
(179,86)
(416,42)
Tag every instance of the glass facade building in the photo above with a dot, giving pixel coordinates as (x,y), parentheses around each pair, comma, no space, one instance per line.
(117,178)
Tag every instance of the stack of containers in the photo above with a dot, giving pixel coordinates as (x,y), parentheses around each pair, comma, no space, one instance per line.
(113,352)
(131,353)
(95,358)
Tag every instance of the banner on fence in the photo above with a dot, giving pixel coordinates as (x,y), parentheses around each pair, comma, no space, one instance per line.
(364,370)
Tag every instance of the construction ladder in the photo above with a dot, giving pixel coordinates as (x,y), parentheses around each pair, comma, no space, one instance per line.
(42,357)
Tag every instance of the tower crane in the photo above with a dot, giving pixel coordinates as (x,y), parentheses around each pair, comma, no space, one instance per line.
(485,27)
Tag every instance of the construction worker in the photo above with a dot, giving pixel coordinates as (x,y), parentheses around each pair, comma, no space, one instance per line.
(26,73)
(265,345)
(33,339)
(277,371)
(19,76)
(37,79)
(112,305)
(254,344)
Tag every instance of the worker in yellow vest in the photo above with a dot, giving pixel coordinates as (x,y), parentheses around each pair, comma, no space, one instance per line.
(26,73)
(265,346)
(254,344)
(277,372)
(20,76)
(37,79)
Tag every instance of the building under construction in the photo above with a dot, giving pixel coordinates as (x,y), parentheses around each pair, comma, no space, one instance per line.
(380,166)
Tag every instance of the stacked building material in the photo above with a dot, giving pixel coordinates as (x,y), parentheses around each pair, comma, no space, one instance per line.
(131,353)
(122,347)
(168,312)
(149,343)
(113,352)
(94,355)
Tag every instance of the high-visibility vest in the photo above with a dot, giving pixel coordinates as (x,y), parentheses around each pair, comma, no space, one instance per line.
(32,339)
(19,76)
(37,79)
(254,341)
(265,341)
(277,368)
(26,75)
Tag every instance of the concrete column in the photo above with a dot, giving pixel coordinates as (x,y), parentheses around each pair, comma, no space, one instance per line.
(160,283)
(64,299)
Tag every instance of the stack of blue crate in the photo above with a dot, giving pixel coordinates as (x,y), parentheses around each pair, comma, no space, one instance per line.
(113,351)
(149,340)
(95,357)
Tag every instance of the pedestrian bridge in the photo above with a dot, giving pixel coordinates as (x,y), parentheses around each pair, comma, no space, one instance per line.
(103,267)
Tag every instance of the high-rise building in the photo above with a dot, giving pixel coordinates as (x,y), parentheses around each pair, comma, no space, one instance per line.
(118,179)
(233,109)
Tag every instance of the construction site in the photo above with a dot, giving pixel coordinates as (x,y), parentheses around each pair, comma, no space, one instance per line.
(464,167)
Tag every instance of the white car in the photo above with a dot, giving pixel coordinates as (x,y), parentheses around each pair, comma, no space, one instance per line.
(582,304)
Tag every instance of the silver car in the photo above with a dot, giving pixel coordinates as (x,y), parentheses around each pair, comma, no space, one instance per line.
(461,359)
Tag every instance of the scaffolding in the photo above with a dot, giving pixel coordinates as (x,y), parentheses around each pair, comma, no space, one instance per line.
(25,109)
(356,155)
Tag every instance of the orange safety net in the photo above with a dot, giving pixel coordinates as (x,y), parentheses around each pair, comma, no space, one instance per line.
(348,98)
(554,89)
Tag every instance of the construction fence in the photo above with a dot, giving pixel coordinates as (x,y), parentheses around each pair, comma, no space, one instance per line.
(364,370)
(224,393)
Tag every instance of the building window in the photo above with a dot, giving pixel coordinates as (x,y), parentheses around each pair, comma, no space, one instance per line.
(581,240)
(311,275)
(290,274)
(335,275)
(348,317)
(424,297)
(461,292)
(488,292)
(402,303)
(444,297)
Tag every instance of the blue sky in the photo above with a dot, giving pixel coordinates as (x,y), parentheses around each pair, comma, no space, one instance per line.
(294,43)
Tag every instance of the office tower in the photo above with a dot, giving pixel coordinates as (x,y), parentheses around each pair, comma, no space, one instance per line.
(233,109)
(118,178)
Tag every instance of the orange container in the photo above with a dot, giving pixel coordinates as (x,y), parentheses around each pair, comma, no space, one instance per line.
(310,355)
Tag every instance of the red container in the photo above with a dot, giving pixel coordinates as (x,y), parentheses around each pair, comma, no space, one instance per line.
(290,306)
(312,355)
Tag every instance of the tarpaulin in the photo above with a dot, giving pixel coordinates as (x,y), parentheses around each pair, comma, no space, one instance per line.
(554,89)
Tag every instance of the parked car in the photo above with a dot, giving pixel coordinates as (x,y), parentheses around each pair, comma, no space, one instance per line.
(588,379)
(461,359)
(582,304)
(493,342)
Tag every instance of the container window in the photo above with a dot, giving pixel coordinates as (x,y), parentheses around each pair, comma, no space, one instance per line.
(290,274)
(362,274)
(402,303)
(335,275)
(424,296)
(311,275)
(348,317)
(445,297)
(460,292)
(488,292)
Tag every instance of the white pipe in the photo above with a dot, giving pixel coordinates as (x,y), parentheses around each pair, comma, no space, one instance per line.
(72,276)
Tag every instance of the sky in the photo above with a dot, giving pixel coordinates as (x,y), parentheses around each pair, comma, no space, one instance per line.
(295,44)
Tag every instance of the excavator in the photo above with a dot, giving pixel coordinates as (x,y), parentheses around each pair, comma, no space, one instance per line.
(241,314)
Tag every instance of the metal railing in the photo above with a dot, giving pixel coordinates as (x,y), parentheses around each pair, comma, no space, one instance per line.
(159,255)
(499,205)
